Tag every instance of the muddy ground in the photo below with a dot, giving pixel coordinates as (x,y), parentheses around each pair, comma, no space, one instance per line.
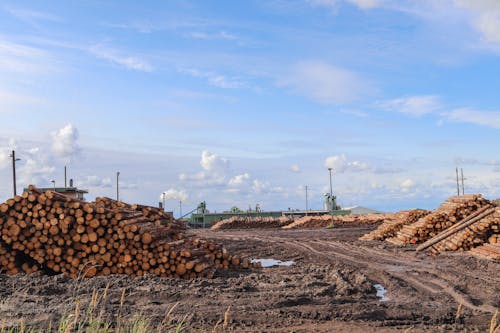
(330,288)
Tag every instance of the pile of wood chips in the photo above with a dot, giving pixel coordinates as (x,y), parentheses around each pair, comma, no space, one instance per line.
(245,222)
(394,223)
(323,221)
(53,233)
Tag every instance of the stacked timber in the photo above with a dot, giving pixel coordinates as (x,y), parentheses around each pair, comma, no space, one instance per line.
(475,234)
(487,251)
(393,224)
(450,212)
(65,235)
(323,221)
(246,222)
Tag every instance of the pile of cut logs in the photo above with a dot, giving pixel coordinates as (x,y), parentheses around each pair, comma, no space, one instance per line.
(393,223)
(57,234)
(243,222)
(450,212)
(460,224)
(323,221)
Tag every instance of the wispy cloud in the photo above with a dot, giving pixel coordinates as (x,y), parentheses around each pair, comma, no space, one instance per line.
(32,16)
(486,17)
(478,117)
(214,79)
(325,83)
(211,36)
(130,62)
(13,102)
(332,4)
(20,58)
(413,105)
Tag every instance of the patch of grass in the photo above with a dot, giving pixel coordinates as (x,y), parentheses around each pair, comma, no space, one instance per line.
(90,316)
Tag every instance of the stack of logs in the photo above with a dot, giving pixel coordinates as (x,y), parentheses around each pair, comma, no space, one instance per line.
(473,235)
(323,221)
(393,224)
(245,222)
(451,211)
(57,234)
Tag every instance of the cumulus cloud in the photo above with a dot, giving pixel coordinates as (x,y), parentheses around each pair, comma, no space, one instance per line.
(34,167)
(413,105)
(214,171)
(340,164)
(407,185)
(213,163)
(239,180)
(325,83)
(174,194)
(64,142)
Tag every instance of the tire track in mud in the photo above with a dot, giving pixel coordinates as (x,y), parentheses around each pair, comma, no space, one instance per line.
(380,263)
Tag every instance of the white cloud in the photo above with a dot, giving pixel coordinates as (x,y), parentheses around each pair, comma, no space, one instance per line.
(407,185)
(213,163)
(340,164)
(34,167)
(209,36)
(174,194)
(484,118)
(129,62)
(487,17)
(64,142)
(325,83)
(239,180)
(214,171)
(18,58)
(96,181)
(362,4)
(10,101)
(214,79)
(31,16)
(413,105)
(294,168)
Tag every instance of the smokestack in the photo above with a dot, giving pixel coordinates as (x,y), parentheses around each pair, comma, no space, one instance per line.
(65,177)
(71,183)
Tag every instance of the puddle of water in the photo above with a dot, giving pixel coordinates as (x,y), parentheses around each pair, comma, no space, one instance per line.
(381,291)
(272,262)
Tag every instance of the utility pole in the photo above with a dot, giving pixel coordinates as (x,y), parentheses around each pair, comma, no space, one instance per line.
(463,189)
(331,189)
(117,186)
(65,177)
(307,206)
(458,187)
(14,160)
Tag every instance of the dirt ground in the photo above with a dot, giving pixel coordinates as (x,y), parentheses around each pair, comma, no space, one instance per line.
(330,288)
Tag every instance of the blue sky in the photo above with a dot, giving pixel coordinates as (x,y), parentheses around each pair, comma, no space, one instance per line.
(245,102)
